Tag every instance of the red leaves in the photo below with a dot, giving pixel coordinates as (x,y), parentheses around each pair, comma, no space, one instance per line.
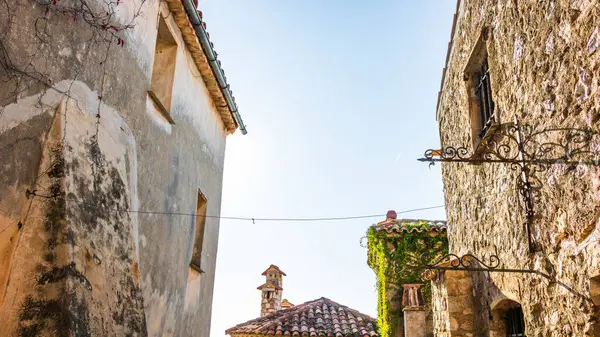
(120,41)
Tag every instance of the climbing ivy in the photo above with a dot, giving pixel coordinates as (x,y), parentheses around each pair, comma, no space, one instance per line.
(388,255)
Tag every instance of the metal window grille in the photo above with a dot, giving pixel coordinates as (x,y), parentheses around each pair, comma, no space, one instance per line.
(486,103)
(515,323)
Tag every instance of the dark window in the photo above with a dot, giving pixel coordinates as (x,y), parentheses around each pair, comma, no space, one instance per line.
(484,94)
(515,323)
(201,204)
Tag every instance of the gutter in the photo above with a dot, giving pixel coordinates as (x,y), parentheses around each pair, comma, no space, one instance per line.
(202,35)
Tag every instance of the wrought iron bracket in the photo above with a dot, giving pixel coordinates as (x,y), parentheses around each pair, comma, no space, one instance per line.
(470,263)
(528,152)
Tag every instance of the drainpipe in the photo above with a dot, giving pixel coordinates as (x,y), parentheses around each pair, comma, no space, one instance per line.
(192,14)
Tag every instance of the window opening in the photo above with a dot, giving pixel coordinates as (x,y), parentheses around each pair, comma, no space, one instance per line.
(201,205)
(163,70)
(484,95)
(515,322)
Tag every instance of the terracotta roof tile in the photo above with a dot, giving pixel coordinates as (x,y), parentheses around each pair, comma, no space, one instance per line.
(269,285)
(273,267)
(398,226)
(321,317)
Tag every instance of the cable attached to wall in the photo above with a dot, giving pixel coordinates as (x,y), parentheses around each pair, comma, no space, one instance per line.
(32,194)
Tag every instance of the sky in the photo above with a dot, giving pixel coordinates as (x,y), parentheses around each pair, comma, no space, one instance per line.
(339,101)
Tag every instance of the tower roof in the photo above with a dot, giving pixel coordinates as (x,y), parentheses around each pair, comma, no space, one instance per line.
(269,284)
(321,317)
(275,268)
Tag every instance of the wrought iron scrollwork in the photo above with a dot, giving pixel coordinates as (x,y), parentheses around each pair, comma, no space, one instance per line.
(514,144)
(461,262)
(491,264)
(362,242)
(528,152)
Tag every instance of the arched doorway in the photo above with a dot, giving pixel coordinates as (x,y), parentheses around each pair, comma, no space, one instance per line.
(507,320)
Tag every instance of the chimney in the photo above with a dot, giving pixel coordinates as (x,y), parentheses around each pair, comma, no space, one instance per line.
(413,306)
(271,290)
(285,304)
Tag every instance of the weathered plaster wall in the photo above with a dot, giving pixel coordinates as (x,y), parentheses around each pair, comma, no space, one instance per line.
(544,67)
(152,164)
(72,268)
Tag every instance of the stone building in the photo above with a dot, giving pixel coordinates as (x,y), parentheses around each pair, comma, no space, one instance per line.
(113,124)
(321,317)
(271,290)
(535,64)
(403,303)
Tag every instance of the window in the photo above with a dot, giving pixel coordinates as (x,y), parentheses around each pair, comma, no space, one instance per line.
(507,318)
(195,271)
(201,204)
(482,109)
(483,90)
(515,323)
(163,70)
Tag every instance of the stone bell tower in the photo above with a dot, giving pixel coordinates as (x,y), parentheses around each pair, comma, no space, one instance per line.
(271,290)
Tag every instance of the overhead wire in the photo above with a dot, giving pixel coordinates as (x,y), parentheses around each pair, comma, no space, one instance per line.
(32,194)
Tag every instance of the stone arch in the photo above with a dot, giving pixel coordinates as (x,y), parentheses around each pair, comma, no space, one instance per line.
(507,318)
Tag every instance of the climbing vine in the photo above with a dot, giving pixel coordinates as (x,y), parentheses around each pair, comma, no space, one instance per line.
(388,255)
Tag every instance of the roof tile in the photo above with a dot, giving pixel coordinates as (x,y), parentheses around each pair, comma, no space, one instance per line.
(399,226)
(321,317)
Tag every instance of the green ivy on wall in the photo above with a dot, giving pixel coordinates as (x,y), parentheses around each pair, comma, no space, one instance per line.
(388,254)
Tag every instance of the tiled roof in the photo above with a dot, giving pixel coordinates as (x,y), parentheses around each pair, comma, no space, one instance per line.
(321,317)
(273,267)
(269,285)
(201,60)
(399,226)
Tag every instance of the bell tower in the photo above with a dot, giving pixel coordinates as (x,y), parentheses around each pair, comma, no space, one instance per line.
(271,290)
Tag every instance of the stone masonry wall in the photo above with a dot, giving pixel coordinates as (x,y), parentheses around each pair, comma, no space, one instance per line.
(545,69)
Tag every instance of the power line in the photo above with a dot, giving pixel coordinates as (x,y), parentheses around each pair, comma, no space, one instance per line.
(33,194)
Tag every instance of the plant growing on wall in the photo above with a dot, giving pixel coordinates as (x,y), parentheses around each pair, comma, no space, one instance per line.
(45,41)
(388,254)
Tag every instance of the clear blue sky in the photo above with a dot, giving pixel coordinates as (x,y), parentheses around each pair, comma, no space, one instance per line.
(339,100)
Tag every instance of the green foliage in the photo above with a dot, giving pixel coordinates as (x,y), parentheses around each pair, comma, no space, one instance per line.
(388,255)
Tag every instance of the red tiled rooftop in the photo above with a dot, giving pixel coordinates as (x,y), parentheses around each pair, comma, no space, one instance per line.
(273,267)
(399,226)
(321,317)
(269,285)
